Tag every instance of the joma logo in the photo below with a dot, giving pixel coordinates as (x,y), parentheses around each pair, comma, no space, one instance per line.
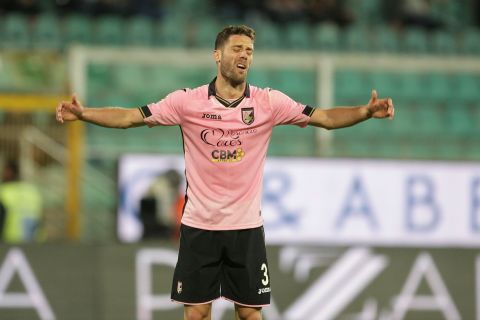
(263,290)
(211,116)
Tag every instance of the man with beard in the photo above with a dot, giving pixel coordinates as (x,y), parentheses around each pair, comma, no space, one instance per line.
(226,127)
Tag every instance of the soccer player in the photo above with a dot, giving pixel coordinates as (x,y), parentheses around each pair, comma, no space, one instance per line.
(226,127)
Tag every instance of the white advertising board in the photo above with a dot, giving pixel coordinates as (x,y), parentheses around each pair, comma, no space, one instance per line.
(341,202)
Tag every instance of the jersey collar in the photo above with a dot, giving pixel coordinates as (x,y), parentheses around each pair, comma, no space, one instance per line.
(213,92)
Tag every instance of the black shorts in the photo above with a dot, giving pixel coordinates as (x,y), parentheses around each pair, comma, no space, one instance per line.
(230,264)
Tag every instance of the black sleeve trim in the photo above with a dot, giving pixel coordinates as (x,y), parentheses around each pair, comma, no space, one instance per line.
(145,111)
(308,111)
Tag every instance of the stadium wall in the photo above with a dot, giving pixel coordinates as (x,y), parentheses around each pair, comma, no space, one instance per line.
(71,282)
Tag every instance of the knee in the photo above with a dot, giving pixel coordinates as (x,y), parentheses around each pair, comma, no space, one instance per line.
(249,313)
(200,312)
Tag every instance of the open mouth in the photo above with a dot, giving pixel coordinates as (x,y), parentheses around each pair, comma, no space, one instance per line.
(241,66)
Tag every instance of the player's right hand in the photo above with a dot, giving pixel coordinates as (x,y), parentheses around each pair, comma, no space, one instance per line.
(69,110)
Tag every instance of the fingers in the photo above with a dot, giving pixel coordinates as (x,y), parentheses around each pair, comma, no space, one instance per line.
(74,99)
(385,104)
(390,108)
(64,109)
(58,112)
(383,108)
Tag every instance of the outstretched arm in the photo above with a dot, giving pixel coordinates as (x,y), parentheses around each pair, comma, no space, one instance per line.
(341,117)
(110,117)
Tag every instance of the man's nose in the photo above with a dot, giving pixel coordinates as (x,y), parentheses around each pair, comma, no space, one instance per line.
(243,54)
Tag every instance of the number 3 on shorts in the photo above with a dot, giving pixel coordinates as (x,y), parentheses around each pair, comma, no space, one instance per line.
(265,274)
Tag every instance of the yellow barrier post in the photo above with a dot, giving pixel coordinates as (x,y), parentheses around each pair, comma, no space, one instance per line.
(74,156)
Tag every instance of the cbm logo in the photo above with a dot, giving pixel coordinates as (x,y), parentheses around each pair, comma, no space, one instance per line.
(228,155)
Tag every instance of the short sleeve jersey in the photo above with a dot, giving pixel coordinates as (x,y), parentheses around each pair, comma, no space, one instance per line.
(225,150)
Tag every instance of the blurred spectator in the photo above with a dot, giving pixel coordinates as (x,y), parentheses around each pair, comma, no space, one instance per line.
(236,10)
(412,13)
(29,7)
(284,11)
(154,9)
(124,8)
(110,7)
(476,12)
(21,206)
(401,12)
(73,6)
(160,211)
(335,11)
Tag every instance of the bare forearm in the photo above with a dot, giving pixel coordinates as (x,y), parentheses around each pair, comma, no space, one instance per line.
(112,117)
(347,116)
(339,117)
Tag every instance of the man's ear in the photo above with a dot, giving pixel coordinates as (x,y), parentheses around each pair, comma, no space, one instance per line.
(217,55)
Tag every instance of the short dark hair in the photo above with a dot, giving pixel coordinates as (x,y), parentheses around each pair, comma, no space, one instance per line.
(223,35)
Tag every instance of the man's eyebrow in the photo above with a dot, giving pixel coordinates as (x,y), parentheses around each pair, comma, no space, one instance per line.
(241,46)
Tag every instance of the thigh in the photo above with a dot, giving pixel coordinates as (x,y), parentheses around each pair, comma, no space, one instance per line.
(245,277)
(196,279)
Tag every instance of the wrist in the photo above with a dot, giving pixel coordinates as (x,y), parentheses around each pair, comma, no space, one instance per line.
(81,114)
(367,112)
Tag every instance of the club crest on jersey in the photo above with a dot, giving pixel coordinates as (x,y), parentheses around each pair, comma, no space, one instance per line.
(248,115)
(179,287)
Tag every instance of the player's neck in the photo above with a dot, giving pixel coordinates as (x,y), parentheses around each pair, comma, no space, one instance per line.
(227,90)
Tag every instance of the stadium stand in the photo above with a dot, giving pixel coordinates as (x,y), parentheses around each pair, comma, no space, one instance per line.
(77,29)
(298,36)
(269,35)
(139,32)
(437,117)
(471,41)
(326,37)
(172,32)
(46,33)
(109,30)
(443,42)
(414,40)
(356,39)
(204,33)
(16,32)
(385,40)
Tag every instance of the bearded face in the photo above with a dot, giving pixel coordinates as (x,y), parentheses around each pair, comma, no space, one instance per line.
(235,58)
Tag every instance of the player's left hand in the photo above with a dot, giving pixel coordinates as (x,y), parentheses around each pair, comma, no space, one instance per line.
(380,108)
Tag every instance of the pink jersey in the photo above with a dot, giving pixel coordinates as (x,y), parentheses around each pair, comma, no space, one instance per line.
(225,149)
